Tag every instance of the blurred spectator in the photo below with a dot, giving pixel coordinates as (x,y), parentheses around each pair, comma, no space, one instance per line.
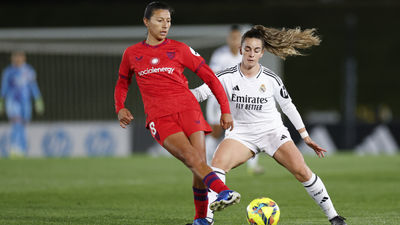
(18,86)
(223,57)
(384,113)
(381,113)
(365,114)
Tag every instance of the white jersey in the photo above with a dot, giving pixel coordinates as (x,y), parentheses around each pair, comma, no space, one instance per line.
(221,59)
(252,100)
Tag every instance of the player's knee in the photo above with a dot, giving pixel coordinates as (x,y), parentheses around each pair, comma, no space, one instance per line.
(192,160)
(302,174)
(221,163)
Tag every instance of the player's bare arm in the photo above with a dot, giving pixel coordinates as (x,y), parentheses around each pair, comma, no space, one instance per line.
(307,139)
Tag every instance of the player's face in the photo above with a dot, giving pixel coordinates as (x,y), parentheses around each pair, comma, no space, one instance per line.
(18,59)
(158,25)
(252,50)
(234,41)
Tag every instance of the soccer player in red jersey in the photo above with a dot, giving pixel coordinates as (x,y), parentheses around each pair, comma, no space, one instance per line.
(173,114)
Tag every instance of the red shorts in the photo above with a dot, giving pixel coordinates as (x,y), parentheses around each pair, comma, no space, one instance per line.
(187,122)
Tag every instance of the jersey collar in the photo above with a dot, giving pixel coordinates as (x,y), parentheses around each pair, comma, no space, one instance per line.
(156,46)
(259,72)
(261,69)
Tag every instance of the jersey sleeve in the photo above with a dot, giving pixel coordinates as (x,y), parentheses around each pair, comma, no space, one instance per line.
(125,67)
(124,80)
(213,112)
(197,64)
(190,58)
(285,102)
(201,93)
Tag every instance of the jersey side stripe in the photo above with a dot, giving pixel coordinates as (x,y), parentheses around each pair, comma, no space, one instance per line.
(228,70)
(266,70)
(269,73)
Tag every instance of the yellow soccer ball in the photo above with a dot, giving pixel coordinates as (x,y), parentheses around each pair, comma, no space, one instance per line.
(263,211)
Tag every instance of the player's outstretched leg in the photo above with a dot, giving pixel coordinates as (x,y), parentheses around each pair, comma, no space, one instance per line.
(225,199)
(316,189)
(212,195)
(338,220)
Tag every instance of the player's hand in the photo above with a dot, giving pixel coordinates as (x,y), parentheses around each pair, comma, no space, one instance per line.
(39,106)
(226,121)
(317,149)
(125,117)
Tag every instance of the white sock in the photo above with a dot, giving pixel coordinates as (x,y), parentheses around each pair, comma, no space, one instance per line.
(316,189)
(211,146)
(212,195)
(252,163)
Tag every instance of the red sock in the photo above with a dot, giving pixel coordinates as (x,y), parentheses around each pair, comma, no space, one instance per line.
(200,202)
(213,182)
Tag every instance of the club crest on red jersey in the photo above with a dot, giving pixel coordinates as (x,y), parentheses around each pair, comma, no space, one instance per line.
(171,55)
(155,61)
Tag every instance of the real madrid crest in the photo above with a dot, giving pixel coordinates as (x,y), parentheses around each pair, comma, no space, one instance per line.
(263,88)
(154,61)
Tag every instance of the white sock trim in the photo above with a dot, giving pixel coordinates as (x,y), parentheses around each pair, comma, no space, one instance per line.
(310,182)
(218,170)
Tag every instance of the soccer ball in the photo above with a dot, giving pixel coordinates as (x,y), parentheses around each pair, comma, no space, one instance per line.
(263,211)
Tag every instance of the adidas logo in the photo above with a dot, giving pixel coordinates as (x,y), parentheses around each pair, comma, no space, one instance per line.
(283,137)
(236,88)
(324,200)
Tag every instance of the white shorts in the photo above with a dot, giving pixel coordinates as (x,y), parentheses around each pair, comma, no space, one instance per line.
(259,140)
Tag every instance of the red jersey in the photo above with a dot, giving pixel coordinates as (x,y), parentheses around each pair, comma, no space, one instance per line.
(159,75)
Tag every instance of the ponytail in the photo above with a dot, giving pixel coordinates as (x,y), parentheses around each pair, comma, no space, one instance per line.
(284,42)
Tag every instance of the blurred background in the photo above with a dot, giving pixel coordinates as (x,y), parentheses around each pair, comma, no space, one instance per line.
(346,89)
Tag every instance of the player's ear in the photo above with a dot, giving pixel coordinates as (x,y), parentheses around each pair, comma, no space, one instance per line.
(145,21)
(240,50)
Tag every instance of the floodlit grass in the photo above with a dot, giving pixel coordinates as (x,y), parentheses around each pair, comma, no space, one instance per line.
(157,191)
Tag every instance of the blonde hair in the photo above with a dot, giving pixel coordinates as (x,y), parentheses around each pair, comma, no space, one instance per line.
(284,42)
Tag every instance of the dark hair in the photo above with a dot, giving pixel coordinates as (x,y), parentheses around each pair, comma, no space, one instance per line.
(253,33)
(148,12)
(18,52)
(235,27)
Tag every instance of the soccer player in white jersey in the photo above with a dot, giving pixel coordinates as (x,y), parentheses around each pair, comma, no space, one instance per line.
(252,90)
(222,58)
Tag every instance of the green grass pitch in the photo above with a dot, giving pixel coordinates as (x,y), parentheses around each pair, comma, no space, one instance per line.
(157,191)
